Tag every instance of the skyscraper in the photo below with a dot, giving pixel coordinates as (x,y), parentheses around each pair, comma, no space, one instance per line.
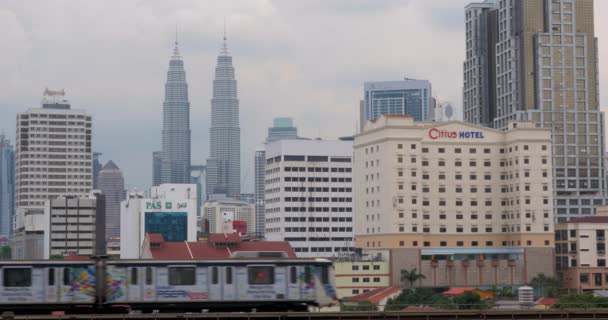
(546,72)
(406,97)
(157,170)
(7,186)
(53,158)
(112,186)
(96,167)
(175,154)
(224,163)
(282,129)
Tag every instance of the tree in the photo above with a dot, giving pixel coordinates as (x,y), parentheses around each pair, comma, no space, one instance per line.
(574,301)
(5,253)
(418,297)
(411,276)
(469,300)
(548,286)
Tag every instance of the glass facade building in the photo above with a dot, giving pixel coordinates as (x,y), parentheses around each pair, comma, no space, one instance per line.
(172,225)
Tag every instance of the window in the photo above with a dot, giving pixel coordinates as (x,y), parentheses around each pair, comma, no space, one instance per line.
(324,275)
(66,276)
(265,275)
(18,277)
(355,267)
(215,276)
(148,276)
(228,275)
(293,275)
(51,277)
(183,276)
(134,276)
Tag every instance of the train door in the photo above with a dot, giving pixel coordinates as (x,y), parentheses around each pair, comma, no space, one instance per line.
(133,285)
(52,285)
(280,281)
(293,283)
(307,285)
(149,284)
(65,285)
(215,285)
(229,283)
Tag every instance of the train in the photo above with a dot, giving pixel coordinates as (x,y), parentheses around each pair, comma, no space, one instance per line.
(112,286)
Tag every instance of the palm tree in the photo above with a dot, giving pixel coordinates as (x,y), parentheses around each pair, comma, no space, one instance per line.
(411,276)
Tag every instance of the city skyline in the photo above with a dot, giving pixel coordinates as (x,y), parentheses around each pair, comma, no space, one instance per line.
(275,64)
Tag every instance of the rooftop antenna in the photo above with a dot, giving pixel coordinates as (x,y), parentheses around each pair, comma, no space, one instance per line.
(176,50)
(224,44)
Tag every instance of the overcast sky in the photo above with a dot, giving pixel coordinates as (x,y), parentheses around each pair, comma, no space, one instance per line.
(306,59)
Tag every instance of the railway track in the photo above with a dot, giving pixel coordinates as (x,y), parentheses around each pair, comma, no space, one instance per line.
(427,315)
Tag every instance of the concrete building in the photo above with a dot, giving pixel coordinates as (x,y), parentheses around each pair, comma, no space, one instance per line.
(229,216)
(580,252)
(443,194)
(224,163)
(54,158)
(282,129)
(406,97)
(112,186)
(7,187)
(308,196)
(157,170)
(356,277)
(169,209)
(74,226)
(546,71)
(96,168)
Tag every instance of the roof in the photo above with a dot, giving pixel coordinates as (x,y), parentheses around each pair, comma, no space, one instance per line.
(155,237)
(110,165)
(457,291)
(590,219)
(375,295)
(211,250)
(231,238)
(547,301)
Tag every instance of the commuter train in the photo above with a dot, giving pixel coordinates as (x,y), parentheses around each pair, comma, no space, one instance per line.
(104,286)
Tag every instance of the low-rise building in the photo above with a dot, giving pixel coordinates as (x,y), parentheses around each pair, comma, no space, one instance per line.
(357,277)
(229,216)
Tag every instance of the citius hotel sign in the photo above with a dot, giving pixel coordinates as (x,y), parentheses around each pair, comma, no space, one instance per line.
(435,133)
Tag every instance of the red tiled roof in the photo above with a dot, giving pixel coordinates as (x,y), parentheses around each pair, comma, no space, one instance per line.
(547,301)
(155,237)
(590,219)
(374,295)
(224,238)
(457,291)
(76,258)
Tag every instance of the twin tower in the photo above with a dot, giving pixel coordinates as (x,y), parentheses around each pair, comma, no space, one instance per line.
(173,163)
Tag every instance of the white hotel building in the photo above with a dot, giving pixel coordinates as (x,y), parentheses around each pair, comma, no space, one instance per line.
(309,196)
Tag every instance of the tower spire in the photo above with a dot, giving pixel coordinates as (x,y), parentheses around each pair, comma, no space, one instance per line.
(176,48)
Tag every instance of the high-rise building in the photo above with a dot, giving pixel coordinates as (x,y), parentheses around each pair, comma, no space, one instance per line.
(53,158)
(407,97)
(7,187)
(157,162)
(308,196)
(96,168)
(224,163)
(546,71)
(175,154)
(112,186)
(74,226)
(448,198)
(282,129)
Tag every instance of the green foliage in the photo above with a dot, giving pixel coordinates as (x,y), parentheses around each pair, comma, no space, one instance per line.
(5,253)
(411,276)
(547,286)
(581,301)
(358,306)
(56,257)
(470,300)
(417,297)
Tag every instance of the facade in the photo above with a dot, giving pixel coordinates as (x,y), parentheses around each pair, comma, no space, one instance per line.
(53,158)
(96,168)
(157,162)
(175,154)
(7,187)
(112,186)
(546,71)
(308,196)
(224,165)
(169,210)
(580,250)
(229,216)
(407,97)
(437,193)
(74,226)
(356,277)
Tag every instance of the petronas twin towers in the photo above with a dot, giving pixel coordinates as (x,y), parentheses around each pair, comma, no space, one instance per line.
(224,162)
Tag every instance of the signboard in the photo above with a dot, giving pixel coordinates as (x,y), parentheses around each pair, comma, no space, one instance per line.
(166,205)
(435,133)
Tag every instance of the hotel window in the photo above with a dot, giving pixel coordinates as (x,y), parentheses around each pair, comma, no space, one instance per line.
(488,229)
(413,160)
(413,173)
(425,150)
(400,159)
(458,189)
(441,150)
(458,163)
(425,163)
(426,243)
(441,163)
(399,146)
(441,175)
(414,243)
(457,150)
(474,229)
(459,243)
(442,216)
(459,229)
(413,147)
(442,229)
(443,244)
(472,150)
(401,243)
(472,163)
(458,176)
(486,150)
(474,243)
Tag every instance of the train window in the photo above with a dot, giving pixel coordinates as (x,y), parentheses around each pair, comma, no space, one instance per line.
(324,275)
(293,274)
(133,276)
(261,275)
(18,277)
(148,276)
(307,274)
(228,275)
(51,276)
(66,276)
(214,275)
(182,276)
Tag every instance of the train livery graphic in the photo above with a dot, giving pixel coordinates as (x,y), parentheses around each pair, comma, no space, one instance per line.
(100,285)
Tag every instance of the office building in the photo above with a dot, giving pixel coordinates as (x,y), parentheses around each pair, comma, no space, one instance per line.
(169,210)
(96,168)
(229,216)
(308,196)
(406,97)
(112,186)
(446,197)
(7,186)
(354,277)
(282,129)
(175,153)
(224,163)
(157,162)
(54,158)
(74,226)
(546,71)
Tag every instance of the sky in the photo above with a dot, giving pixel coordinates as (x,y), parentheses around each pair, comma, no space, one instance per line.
(302,59)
